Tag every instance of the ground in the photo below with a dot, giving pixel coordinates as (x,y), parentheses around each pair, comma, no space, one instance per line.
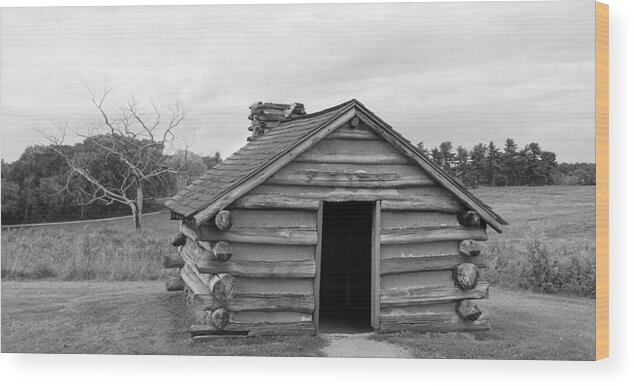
(141,318)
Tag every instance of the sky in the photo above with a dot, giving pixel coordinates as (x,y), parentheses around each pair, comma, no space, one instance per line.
(459,72)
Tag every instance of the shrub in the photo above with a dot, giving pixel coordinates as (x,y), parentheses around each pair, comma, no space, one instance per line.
(107,254)
(533,265)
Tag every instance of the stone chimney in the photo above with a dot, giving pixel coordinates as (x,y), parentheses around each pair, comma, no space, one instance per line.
(265,116)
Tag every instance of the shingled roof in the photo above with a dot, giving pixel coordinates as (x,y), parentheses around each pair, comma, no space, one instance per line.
(262,151)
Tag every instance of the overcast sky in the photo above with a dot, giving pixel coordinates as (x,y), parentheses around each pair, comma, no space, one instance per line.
(460,72)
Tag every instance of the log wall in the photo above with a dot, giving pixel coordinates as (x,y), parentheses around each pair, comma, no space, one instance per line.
(274,237)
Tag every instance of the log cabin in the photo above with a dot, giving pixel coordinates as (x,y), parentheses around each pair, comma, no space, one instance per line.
(324,221)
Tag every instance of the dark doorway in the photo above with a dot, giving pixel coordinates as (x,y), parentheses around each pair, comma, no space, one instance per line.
(346,264)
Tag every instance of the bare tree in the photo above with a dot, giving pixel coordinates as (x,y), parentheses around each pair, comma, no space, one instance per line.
(131,139)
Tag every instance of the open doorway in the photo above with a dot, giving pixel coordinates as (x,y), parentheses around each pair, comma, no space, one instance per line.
(346,267)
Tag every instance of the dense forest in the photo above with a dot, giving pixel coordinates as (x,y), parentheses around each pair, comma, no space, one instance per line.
(488,165)
(37,186)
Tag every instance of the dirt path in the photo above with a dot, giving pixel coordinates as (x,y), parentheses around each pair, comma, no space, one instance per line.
(361,346)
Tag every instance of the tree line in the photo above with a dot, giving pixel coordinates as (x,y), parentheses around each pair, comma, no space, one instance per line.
(37,187)
(488,165)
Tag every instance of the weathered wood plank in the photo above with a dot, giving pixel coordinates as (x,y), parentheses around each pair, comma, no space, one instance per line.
(426,204)
(172,261)
(359,133)
(345,151)
(259,302)
(422,279)
(428,323)
(270,201)
(174,283)
(426,263)
(255,218)
(351,175)
(296,328)
(261,269)
(431,295)
(351,193)
(271,252)
(375,282)
(414,219)
(317,280)
(195,253)
(252,285)
(428,234)
(436,248)
(270,317)
(285,236)
(193,281)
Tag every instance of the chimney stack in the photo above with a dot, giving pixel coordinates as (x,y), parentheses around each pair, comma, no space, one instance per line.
(265,116)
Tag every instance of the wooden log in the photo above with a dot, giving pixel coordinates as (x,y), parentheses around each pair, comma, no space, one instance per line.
(193,281)
(466,275)
(285,236)
(431,295)
(469,248)
(262,269)
(222,286)
(271,252)
(172,261)
(270,218)
(218,319)
(259,302)
(266,201)
(440,248)
(469,218)
(468,310)
(174,283)
(179,240)
(294,328)
(359,133)
(351,175)
(427,323)
(189,232)
(430,234)
(254,286)
(222,250)
(425,263)
(421,279)
(197,254)
(224,220)
(416,219)
(342,151)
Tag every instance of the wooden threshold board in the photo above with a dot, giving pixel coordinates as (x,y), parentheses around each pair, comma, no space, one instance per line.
(602,173)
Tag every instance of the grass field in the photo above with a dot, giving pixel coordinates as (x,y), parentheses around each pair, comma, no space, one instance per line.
(141,318)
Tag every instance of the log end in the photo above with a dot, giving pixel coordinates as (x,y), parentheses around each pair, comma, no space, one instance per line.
(469,248)
(468,310)
(174,283)
(224,220)
(179,240)
(469,218)
(466,275)
(222,250)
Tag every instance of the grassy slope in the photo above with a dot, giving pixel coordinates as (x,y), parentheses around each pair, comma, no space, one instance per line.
(141,318)
(118,318)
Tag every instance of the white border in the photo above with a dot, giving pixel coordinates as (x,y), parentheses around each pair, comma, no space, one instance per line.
(93,370)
